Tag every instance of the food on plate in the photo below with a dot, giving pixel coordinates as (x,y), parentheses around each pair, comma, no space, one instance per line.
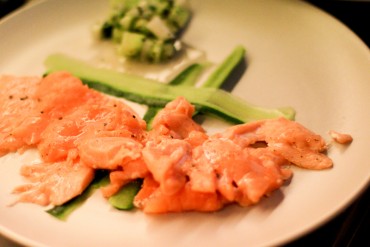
(340,138)
(152,93)
(190,170)
(146,30)
(60,113)
(79,132)
(189,77)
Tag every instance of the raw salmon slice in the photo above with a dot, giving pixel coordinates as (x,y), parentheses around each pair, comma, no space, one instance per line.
(152,200)
(30,104)
(286,138)
(17,107)
(64,119)
(54,183)
(192,171)
(241,165)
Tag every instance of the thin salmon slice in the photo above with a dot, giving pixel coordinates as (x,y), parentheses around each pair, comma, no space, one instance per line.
(121,155)
(30,104)
(88,121)
(130,171)
(16,104)
(175,120)
(286,138)
(64,119)
(54,183)
(219,167)
(97,115)
(151,199)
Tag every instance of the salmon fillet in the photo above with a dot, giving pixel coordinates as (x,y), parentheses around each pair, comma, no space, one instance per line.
(78,130)
(63,118)
(17,107)
(241,165)
(54,183)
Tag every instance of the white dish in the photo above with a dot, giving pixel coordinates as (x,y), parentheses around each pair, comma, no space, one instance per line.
(297,56)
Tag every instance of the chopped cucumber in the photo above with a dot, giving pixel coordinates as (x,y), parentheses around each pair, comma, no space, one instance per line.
(155,52)
(169,50)
(116,37)
(153,93)
(128,22)
(160,21)
(159,28)
(179,17)
(123,4)
(131,44)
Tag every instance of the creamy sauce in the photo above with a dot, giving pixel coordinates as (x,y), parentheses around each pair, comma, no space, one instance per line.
(107,57)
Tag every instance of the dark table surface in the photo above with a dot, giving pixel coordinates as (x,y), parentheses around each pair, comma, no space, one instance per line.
(352,226)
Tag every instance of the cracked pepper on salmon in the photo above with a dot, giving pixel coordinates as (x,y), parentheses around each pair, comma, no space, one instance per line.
(78,131)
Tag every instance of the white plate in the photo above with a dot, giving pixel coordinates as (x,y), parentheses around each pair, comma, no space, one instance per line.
(297,56)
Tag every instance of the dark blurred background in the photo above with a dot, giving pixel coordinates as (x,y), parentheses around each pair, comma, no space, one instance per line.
(354,13)
(8,5)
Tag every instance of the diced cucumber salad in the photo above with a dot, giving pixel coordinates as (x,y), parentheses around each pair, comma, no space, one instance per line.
(146,30)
